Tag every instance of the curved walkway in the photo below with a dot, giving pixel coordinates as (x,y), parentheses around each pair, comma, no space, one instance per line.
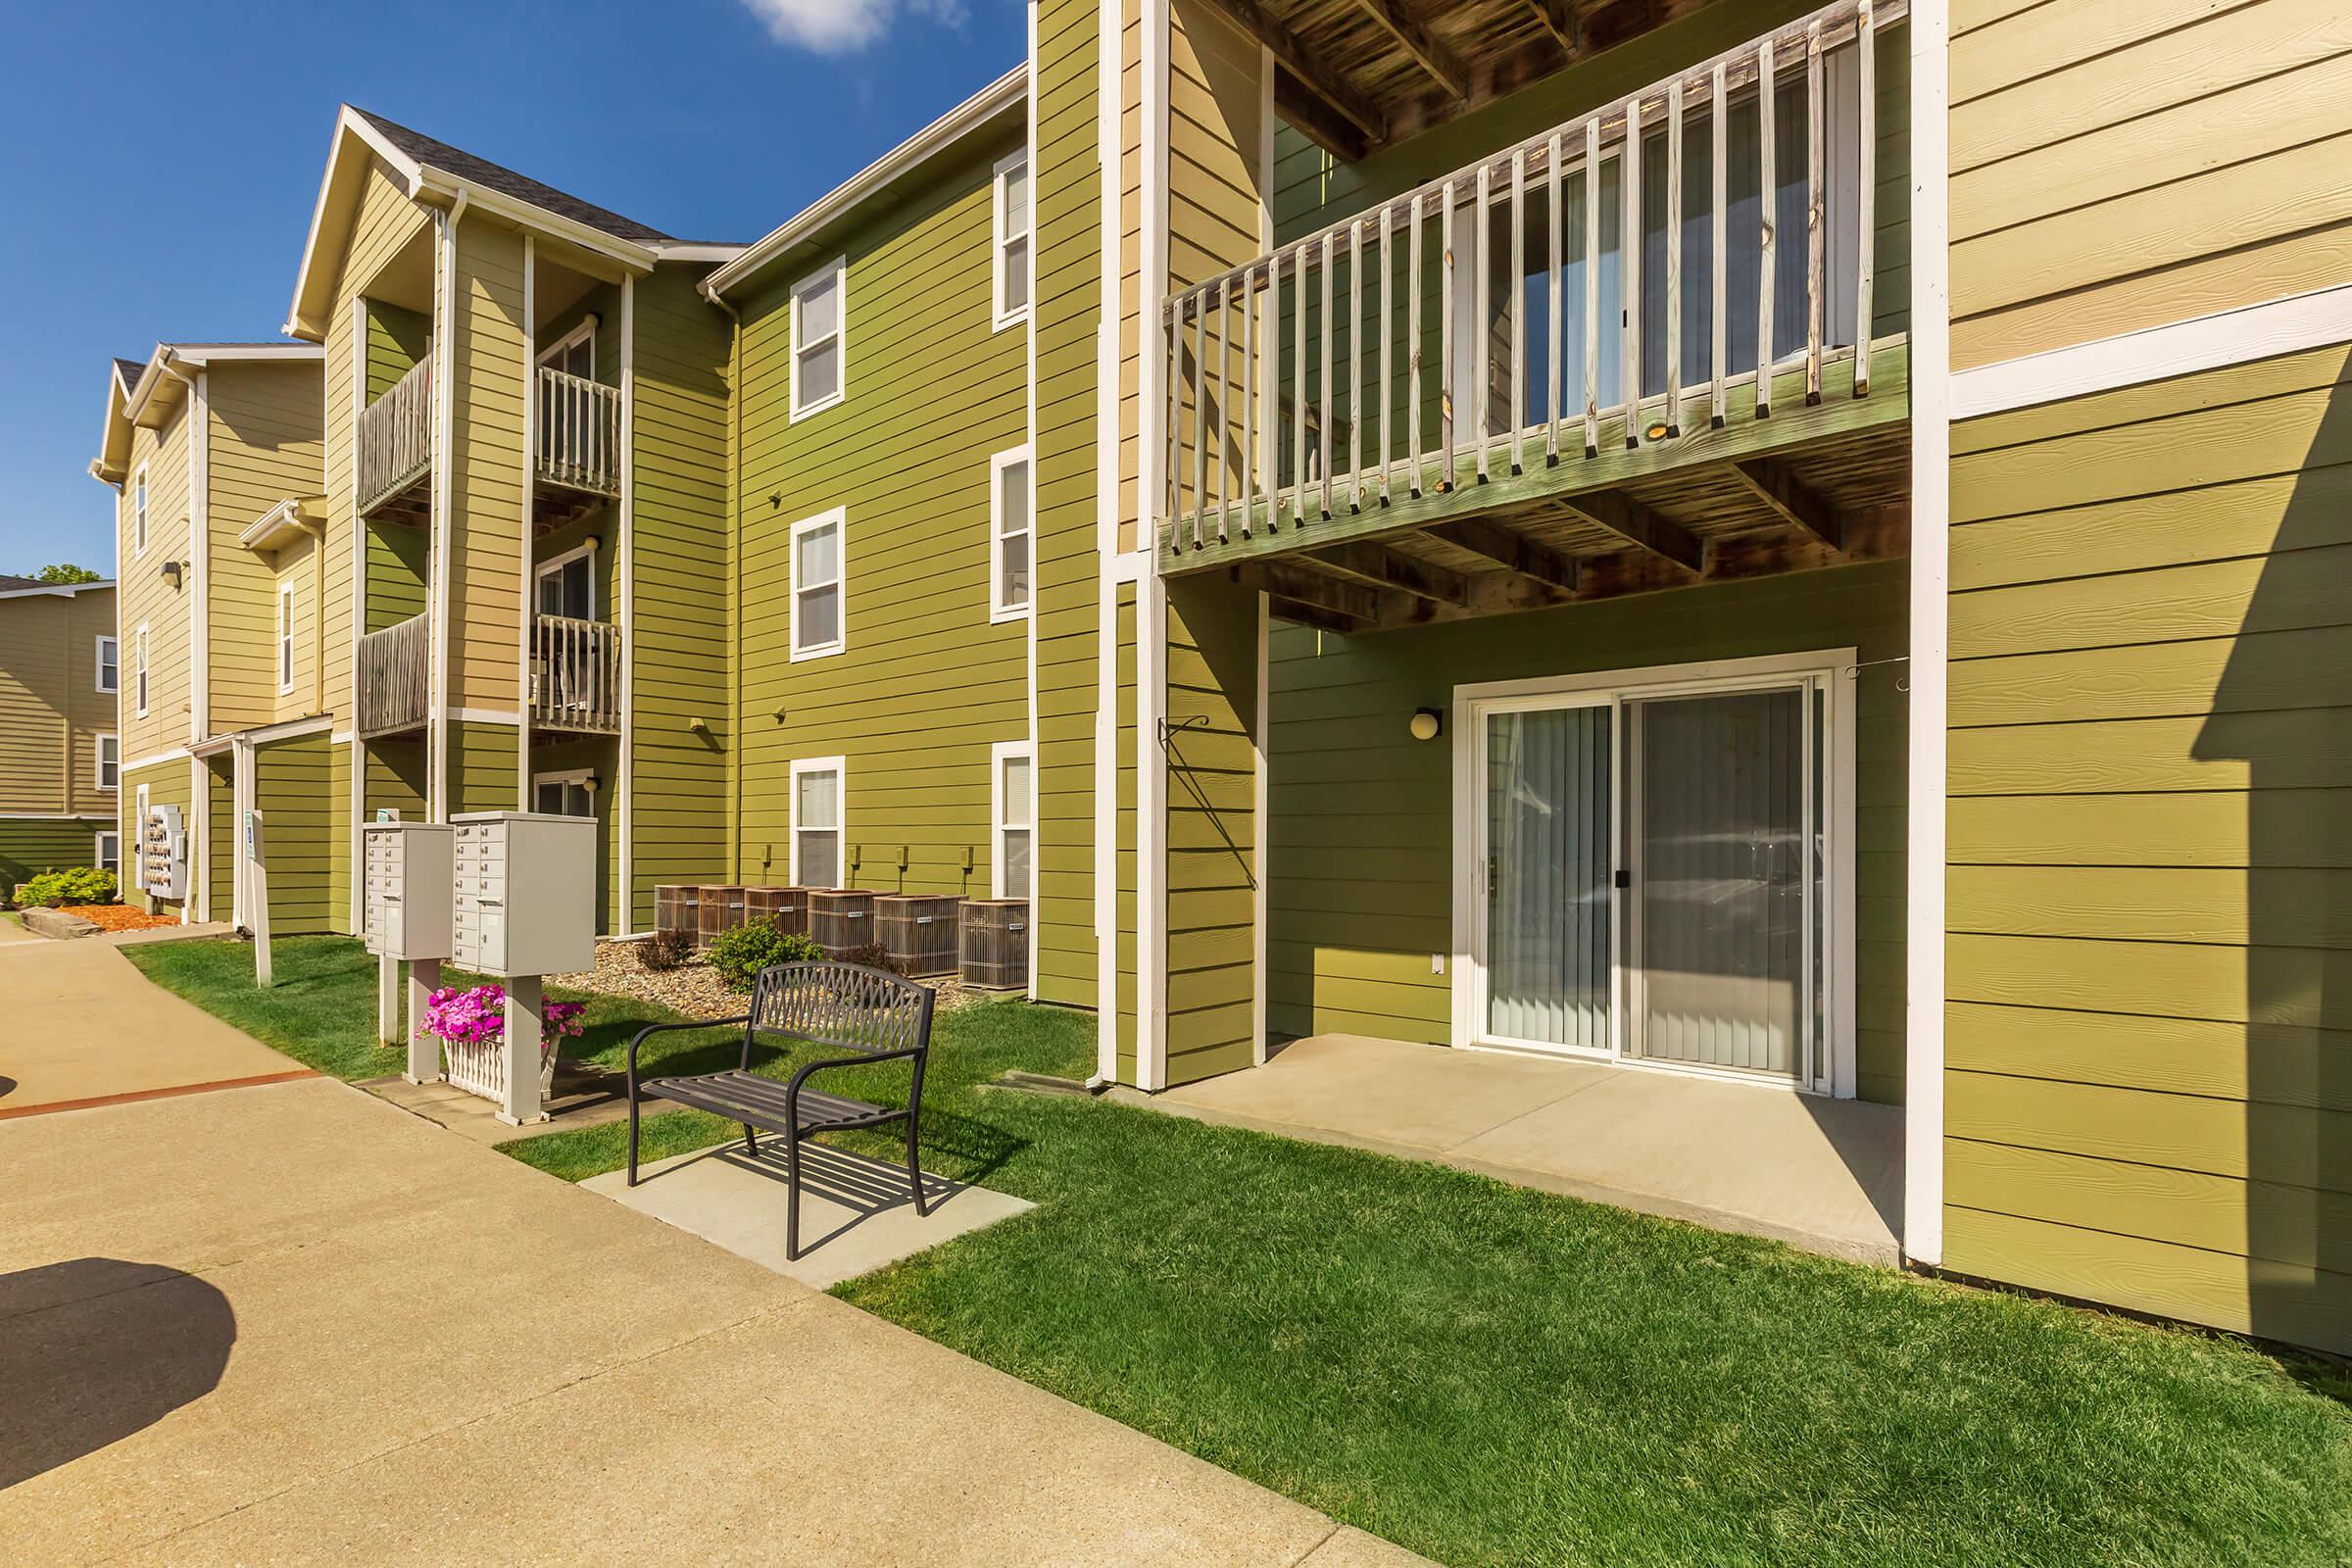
(291,1323)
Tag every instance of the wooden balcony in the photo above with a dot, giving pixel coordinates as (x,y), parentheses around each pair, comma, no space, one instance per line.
(575,676)
(394,449)
(1478,396)
(395,693)
(577,445)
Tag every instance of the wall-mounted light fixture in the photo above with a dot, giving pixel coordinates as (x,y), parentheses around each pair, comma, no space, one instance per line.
(1428,724)
(592,783)
(173,571)
(1656,431)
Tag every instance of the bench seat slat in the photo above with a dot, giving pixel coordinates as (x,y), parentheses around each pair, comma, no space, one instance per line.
(747,1096)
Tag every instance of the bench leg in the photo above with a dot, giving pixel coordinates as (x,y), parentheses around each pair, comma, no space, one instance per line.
(633,1135)
(751,1141)
(915,1170)
(792,1198)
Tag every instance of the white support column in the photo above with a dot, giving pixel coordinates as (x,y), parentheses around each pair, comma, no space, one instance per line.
(525,1007)
(525,589)
(624,744)
(387,1000)
(425,1052)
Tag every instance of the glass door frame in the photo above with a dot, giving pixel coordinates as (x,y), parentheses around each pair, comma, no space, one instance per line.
(1831,674)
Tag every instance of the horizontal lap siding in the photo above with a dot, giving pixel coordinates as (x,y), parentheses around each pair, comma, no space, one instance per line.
(678,649)
(1361,890)
(2121,164)
(926,683)
(29,847)
(1070,290)
(2150,890)
(167,784)
(145,594)
(293,788)
(51,710)
(486,482)
(267,445)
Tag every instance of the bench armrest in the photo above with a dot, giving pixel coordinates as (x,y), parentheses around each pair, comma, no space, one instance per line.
(792,1090)
(639,1038)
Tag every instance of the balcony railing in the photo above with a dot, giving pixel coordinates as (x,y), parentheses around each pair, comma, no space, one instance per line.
(575,674)
(578,433)
(1494,316)
(396,438)
(395,677)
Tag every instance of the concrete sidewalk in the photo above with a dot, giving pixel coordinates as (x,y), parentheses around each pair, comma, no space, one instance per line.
(294,1324)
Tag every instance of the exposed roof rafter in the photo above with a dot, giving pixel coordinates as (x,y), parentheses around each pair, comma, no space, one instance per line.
(1795,502)
(1439,60)
(1640,524)
(1310,71)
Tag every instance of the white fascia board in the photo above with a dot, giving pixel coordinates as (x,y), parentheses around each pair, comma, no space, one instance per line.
(909,155)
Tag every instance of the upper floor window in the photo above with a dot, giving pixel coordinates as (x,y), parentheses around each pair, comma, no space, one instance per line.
(110,672)
(1009,535)
(574,352)
(138,674)
(820,343)
(138,512)
(1012,257)
(110,762)
(285,637)
(817,585)
(567,584)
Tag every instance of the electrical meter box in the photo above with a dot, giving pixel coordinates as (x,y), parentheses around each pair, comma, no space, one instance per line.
(525,893)
(411,877)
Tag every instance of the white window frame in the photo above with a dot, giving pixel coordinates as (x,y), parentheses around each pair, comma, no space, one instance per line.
(1003,237)
(563,345)
(998,755)
(138,839)
(98,745)
(285,637)
(554,564)
(840,769)
(98,855)
(838,521)
(568,776)
(108,651)
(998,609)
(139,675)
(837,271)
(138,513)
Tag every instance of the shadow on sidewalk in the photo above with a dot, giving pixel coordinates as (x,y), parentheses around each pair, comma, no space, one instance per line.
(96,1348)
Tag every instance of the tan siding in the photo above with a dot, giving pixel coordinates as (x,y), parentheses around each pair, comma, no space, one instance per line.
(51,711)
(2149,902)
(267,445)
(2120,163)
(492,345)
(146,595)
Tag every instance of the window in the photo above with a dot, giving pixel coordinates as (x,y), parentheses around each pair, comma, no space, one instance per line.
(816,573)
(285,637)
(138,512)
(107,853)
(574,352)
(567,584)
(819,345)
(140,673)
(1009,535)
(817,813)
(109,673)
(110,762)
(572,794)
(138,838)
(1011,290)
(1014,814)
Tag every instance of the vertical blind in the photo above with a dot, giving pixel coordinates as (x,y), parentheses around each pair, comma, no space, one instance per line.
(1548,779)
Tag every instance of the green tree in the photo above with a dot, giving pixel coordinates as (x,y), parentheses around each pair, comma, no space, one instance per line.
(64,572)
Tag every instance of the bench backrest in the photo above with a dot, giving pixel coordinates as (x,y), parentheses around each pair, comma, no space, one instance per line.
(844,1004)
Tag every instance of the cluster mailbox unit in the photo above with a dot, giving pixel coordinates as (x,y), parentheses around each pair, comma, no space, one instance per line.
(406,910)
(525,894)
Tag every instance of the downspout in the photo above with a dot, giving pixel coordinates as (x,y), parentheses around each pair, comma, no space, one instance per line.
(440,540)
(734,532)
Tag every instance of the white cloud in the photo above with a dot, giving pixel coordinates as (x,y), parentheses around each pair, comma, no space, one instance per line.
(845,26)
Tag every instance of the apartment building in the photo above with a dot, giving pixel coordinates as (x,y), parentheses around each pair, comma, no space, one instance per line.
(1788,546)
(61,761)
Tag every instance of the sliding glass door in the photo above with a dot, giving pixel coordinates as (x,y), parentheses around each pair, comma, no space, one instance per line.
(1547,830)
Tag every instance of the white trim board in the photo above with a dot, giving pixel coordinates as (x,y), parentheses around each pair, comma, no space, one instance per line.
(2177,348)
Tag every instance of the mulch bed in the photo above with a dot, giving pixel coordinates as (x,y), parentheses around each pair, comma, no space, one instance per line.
(119,916)
(693,988)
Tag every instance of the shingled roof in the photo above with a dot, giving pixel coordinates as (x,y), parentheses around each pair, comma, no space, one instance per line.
(131,370)
(498,177)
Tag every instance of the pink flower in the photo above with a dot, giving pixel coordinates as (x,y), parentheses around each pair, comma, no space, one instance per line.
(478,1017)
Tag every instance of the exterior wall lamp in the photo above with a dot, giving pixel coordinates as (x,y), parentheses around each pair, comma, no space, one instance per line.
(173,571)
(1428,724)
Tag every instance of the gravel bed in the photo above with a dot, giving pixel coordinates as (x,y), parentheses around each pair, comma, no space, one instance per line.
(695,988)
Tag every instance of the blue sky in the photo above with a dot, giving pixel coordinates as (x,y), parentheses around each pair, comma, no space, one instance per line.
(161,161)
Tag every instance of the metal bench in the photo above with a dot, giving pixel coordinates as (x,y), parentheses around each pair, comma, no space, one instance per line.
(873,1015)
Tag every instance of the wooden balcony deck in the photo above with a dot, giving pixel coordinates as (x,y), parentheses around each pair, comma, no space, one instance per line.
(395,689)
(395,448)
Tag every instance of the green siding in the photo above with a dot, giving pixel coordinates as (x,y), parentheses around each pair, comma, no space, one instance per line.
(397,339)
(1069,301)
(293,788)
(221,835)
(598,754)
(29,848)
(1212,829)
(2150,888)
(167,784)
(482,771)
(679,641)
(1361,841)
(926,683)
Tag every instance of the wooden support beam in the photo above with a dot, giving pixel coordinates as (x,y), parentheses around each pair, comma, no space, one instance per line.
(1790,497)
(1433,57)
(1314,119)
(1379,566)
(1305,67)
(1514,553)
(1314,616)
(1637,522)
(1561,23)
(1332,595)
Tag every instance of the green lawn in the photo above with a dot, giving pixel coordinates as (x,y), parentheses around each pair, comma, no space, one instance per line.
(1494,1376)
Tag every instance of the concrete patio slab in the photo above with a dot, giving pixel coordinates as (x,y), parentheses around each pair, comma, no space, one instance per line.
(84,1027)
(584,1096)
(855,1213)
(1822,1174)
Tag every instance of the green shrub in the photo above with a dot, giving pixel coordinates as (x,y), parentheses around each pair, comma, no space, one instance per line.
(666,949)
(741,954)
(85,884)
